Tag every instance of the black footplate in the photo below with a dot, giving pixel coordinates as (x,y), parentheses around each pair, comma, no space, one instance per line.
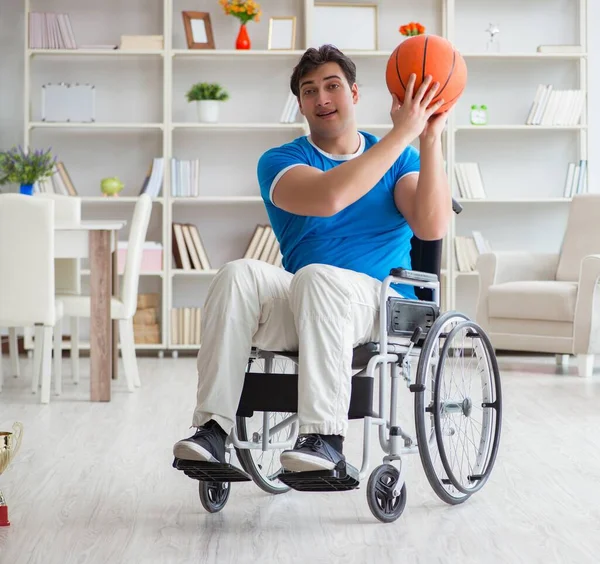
(336,480)
(211,471)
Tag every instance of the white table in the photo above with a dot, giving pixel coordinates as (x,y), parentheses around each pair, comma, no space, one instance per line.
(97,241)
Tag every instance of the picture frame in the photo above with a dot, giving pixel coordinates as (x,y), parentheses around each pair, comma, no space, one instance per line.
(198,30)
(282,33)
(348,26)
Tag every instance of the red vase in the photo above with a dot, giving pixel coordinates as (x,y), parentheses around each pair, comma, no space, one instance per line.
(243,40)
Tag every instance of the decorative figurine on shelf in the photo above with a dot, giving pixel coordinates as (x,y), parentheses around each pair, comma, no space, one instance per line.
(493,43)
(208,98)
(25,167)
(412,28)
(111,186)
(245,11)
(479,115)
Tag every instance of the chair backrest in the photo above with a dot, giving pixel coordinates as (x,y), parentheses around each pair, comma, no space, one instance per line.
(135,248)
(426,256)
(67,273)
(582,236)
(27,293)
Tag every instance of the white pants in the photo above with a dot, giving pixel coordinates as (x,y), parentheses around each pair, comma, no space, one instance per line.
(322,312)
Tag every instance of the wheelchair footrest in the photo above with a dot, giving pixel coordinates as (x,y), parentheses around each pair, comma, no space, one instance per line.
(211,471)
(338,479)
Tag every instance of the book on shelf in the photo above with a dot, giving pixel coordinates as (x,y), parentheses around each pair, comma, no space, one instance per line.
(188,250)
(186,326)
(153,181)
(469,181)
(467,250)
(48,30)
(59,183)
(555,107)
(185,178)
(576,179)
(290,110)
(264,246)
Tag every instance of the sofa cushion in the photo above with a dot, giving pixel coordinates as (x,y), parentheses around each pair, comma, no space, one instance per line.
(546,300)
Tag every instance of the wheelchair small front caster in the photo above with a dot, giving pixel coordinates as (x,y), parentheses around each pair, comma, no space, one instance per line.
(214,495)
(385,500)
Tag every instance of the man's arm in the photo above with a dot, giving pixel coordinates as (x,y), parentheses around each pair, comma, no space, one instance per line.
(305,190)
(424,199)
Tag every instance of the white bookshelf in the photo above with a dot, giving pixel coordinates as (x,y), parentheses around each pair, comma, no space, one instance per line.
(522,165)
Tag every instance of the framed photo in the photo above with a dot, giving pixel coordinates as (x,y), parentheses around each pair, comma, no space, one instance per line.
(347,26)
(198,30)
(282,33)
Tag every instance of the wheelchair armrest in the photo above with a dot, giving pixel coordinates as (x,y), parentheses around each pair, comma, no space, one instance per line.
(416,275)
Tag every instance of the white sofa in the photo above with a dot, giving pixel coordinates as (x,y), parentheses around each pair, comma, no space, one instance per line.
(547,303)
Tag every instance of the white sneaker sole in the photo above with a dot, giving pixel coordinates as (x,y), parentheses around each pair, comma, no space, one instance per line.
(300,462)
(187,450)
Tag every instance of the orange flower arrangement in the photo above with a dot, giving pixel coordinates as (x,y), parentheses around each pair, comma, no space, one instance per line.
(412,28)
(244,10)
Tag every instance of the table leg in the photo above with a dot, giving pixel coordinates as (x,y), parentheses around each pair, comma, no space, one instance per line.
(115,323)
(100,321)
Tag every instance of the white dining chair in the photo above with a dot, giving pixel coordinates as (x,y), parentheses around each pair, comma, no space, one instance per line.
(27,290)
(122,308)
(67,271)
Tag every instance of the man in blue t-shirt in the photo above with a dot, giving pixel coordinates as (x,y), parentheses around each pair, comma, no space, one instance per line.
(343,205)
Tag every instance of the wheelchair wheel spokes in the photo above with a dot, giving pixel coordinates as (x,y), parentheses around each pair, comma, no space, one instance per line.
(467,407)
(264,465)
(425,413)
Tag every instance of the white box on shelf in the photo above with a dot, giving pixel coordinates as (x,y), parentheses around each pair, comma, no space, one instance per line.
(64,102)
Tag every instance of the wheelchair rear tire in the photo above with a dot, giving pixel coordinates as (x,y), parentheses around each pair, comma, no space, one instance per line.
(426,436)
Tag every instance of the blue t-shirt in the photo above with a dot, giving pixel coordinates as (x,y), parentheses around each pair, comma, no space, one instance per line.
(369,236)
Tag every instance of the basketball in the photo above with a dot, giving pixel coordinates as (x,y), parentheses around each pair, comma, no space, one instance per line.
(427,55)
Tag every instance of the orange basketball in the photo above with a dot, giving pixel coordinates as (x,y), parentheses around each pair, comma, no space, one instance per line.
(423,55)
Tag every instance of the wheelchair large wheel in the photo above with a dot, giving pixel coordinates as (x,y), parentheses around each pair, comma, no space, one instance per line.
(263,465)
(424,409)
(468,418)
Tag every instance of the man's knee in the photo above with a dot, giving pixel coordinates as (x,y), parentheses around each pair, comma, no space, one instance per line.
(235,269)
(315,278)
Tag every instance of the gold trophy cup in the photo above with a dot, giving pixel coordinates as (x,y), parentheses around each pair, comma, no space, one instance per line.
(9,446)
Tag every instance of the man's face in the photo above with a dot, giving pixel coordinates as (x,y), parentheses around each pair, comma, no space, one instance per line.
(327,100)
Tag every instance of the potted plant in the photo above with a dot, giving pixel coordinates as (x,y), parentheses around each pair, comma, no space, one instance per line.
(411,29)
(25,167)
(208,97)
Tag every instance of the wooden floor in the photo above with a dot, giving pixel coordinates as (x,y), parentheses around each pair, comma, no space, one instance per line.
(93,483)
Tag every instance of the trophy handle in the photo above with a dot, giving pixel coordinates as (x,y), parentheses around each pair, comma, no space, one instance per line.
(19,436)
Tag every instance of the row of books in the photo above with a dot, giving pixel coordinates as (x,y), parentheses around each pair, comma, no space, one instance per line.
(264,246)
(153,181)
(467,250)
(556,107)
(290,110)
(185,178)
(50,31)
(188,250)
(469,180)
(576,179)
(59,183)
(186,326)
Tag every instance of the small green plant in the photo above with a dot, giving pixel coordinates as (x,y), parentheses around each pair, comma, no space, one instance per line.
(25,167)
(207,91)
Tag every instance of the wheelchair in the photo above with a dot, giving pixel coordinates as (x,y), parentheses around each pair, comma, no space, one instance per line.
(457,430)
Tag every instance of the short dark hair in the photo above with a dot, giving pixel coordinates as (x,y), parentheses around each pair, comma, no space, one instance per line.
(315,57)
